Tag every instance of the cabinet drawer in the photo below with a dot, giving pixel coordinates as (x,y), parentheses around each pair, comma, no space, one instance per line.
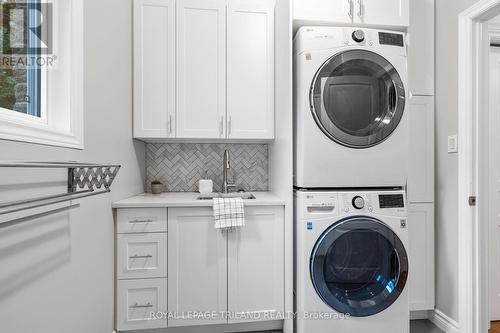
(139,220)
(142,255)
(138,300)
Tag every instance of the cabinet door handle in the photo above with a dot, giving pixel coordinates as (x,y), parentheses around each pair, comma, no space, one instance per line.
(147,256)
(141,221)
(170,124)
(230,125)
(221,126)
(137,306)
(360,8)
(349,8)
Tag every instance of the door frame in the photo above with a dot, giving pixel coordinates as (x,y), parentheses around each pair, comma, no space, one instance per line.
(473,99)
(494,37)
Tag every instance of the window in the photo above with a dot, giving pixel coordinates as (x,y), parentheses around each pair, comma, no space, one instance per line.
(20,83)
(41,71)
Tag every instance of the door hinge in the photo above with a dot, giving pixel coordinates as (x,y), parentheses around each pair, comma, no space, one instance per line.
(472,201)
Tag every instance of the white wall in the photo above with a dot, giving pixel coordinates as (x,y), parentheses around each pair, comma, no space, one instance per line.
(447,165)
(57,271)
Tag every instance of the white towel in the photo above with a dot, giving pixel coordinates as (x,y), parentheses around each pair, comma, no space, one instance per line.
(228,213)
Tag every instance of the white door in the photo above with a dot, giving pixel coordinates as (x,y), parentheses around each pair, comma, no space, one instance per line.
(250,69)
(256,273)
(154,68)
(421,147)
(197,267)
(494,287)
(421,256)
(382,12)
(333,11)
(201,71)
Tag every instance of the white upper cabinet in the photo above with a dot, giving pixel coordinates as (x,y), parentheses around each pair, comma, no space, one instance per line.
(201,68)
(204,69)
(390,13)
(421,47)
(421,146)
(325,11)
(382,12)
(154,68)
(250,69)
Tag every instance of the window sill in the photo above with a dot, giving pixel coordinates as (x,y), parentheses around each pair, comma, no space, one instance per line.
(39,133)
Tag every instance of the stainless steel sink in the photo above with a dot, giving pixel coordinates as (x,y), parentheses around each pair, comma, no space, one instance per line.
(242,195)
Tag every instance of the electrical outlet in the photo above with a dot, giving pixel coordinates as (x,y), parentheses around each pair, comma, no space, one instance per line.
(452,144)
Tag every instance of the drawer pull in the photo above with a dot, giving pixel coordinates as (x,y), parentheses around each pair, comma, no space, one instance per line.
(141,257)
(137,306)
(141,221)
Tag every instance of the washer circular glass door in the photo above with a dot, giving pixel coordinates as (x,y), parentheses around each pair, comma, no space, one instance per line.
(358,98)
(359,267)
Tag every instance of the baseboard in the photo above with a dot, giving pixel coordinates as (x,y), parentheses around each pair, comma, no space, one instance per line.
(419,315)
(444,322)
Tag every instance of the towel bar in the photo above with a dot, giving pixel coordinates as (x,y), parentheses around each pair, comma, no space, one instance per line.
(84,180)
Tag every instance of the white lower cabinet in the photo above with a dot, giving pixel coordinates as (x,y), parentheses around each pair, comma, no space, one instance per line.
(197,263)
(256,266)
(218,272)
(141,255)
(140,220)
(421,256)
(214,276)
(138,300)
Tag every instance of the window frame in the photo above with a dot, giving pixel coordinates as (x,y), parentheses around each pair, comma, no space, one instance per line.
(54,115)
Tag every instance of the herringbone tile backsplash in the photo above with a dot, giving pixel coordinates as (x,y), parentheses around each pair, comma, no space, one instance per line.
(180,166)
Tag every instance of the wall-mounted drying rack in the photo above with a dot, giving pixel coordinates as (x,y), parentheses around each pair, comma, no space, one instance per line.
(84,180)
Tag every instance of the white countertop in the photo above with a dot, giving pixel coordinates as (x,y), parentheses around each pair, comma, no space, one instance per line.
(189,199)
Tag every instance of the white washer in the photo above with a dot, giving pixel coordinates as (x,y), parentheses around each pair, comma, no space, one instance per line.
(350,258)
(350,108)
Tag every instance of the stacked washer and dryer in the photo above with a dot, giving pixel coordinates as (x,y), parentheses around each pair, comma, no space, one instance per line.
(350,171)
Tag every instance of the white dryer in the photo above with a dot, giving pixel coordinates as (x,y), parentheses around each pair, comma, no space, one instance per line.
(350,106)
(351,264)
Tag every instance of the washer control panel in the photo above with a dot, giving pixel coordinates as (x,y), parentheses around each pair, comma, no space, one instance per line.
(328,204)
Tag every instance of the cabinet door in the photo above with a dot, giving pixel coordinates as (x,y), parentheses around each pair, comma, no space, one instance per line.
(154,68)
(421,47)
(197,266)
(256,273)
(421,256)
(250,69)
(340,11)
(136,300)
(201,80)
(382,12)
(141,256)
(421,166)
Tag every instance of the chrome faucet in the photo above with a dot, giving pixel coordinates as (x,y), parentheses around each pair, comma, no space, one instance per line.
(225,168)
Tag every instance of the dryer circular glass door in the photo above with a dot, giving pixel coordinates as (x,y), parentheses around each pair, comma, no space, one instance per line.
(358,98)
(359,267)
